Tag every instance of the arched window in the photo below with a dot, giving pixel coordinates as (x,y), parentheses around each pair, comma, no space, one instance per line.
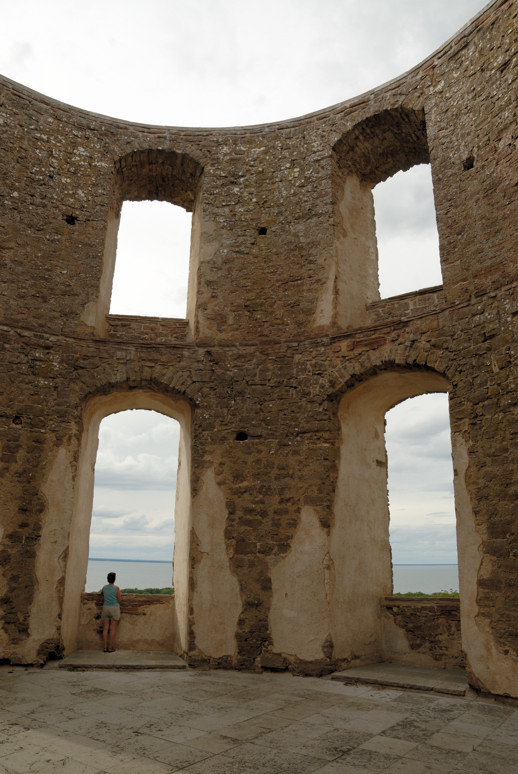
(360,543)
(152,260)
(406,232)
(116,524)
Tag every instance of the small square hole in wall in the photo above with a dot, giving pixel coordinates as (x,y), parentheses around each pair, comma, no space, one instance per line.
(152,262)
(262,230)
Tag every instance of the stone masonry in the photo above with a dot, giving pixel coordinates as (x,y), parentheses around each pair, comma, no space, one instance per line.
(283,370)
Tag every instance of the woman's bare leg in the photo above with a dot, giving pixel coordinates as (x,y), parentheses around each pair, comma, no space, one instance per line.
(113,632)
(105,633)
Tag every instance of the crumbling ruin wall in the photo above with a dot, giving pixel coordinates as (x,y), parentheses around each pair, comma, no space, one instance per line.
(283,369)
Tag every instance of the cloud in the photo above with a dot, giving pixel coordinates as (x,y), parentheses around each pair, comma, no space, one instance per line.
(143,547)
(406,232)
(220,63)
(433,544)
(138,450)
(20,55)
(142,471)
(420,480)
(152,266)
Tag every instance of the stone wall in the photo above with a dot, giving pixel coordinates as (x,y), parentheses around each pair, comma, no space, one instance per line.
(422,632)
(283,369)
(147,623)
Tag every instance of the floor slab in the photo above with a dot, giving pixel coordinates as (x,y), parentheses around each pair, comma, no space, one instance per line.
(447,681)
(122,659)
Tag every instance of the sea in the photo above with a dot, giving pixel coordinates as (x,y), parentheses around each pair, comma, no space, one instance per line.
(135,574)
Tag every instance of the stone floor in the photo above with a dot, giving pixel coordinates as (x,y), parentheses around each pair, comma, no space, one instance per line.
(150,722)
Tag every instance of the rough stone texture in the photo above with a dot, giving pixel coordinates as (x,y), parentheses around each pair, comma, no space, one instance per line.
(423,631)
(286,344)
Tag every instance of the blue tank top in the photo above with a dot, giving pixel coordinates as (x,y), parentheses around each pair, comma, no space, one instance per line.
(110,595)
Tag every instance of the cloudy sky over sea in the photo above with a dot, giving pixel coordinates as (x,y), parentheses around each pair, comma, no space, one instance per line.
(227,63)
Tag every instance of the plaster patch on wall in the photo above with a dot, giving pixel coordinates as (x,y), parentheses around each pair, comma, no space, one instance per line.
(299,615)
(50,568)
(494,670)
(89,315)
(356,281)
(326,300)
(216,599)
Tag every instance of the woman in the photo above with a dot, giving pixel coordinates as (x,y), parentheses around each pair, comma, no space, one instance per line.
(111,613)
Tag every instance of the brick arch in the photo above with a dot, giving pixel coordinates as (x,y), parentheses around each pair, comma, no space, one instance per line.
(164,175)
(383,144)
(408,356)
(96,408)
(131,377)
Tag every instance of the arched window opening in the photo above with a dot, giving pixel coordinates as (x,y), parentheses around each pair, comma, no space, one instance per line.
(134,496)
(406,232)
(152,260)
(421,500)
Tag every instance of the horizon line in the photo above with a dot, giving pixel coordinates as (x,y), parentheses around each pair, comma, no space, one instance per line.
(168,561)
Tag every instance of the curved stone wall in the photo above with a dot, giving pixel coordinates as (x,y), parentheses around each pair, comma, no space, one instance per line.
(284,323)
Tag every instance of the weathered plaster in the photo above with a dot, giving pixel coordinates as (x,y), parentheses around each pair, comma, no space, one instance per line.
(52,554)
(216,599)
(299,612)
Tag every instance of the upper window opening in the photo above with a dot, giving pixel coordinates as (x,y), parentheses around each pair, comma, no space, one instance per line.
(406,232)
(152,260)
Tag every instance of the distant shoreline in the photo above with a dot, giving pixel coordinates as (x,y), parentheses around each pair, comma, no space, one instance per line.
(145,561)
(169,561)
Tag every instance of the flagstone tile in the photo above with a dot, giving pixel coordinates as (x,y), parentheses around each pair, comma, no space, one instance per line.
(460,742)
(174,754)
(369,759)
(138,765)
(437,756)
(385,744)
(261,760)
(376,721)
(406,766)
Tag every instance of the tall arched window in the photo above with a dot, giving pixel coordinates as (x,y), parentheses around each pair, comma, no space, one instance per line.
(360,543)
(406,232)
(116,524)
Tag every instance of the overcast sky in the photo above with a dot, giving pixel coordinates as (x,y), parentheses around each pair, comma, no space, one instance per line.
(228,63)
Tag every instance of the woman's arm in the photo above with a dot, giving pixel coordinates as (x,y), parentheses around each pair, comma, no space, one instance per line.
(119,595)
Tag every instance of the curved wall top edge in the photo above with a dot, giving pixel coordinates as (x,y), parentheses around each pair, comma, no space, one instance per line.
(446,49)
